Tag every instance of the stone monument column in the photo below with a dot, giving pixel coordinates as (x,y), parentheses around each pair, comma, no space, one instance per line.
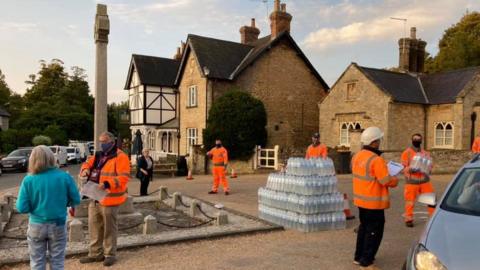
(102,29)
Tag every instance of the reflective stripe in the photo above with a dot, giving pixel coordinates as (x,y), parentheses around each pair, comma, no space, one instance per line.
(117,182)
(416,182)
(219,164)
(367,177)
(124,174)
(118,194)
(371,199)
(384,180)
(410,202)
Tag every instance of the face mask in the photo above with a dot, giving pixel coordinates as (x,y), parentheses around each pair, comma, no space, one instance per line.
(106,146)
(417,143)
(218,145)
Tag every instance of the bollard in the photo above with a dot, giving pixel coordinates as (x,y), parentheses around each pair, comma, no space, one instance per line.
(163,193)
(4,209)
(149,225)
(75,231)
(221,218)
(194,211)
(176,200)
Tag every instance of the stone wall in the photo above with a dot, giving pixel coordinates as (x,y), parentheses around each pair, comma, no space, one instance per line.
(197,163)
(404,121)
(194,117)
(369,107)
(470,97)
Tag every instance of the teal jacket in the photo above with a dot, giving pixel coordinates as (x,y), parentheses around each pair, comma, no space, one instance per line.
(46,196)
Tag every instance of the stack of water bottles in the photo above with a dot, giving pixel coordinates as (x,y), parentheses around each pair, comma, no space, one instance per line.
(421,163)
(305,197)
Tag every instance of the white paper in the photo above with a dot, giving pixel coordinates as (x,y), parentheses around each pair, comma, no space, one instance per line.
(91,190)
(394,168)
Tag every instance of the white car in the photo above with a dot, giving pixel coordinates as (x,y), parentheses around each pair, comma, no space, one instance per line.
(60,153)
(73,155)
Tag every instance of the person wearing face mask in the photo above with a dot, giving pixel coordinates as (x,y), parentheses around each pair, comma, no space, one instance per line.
(219,157)
(371,181)
(316,149)
(416,182)
(110,168)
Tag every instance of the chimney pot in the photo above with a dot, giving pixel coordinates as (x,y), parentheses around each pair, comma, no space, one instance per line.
(284,7)
(413,33)
(253,22)
(276,6)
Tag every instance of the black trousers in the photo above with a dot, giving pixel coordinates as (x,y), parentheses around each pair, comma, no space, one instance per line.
(369,235)
(144,182)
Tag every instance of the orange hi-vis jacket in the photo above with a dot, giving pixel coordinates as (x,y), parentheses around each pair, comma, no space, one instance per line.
(316,151)
(476,146)
(417,177)
(371,181)
(219,156)
(116,172)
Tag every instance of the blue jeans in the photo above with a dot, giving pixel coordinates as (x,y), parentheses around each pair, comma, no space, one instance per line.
(46,237)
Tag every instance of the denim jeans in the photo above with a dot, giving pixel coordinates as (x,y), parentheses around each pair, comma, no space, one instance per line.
(46,237)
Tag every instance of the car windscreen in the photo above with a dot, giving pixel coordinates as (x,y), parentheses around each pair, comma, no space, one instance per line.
(70,150)
(19,153)
(54,149)
(464,194)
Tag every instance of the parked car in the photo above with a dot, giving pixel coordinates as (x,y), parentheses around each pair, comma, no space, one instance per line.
(84,149)
(73,155)
(451,239)
(17,160)
(91,147)
(60,153)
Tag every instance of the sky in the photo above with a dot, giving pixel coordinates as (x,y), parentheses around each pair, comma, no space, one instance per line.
(332,34)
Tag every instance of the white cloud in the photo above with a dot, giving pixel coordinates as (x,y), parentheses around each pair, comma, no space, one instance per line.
(17,26)
(363,22)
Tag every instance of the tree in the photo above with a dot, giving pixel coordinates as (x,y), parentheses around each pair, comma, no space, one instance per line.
(459,47)
(239,120)
(41,140)
(5,91)
(116,124)
(58,135)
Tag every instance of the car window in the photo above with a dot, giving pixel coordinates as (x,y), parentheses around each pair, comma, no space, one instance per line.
(70,150)
(464,195)
(19,153)
(54,149)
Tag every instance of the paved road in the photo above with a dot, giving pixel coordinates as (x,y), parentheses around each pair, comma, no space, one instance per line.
(13,179)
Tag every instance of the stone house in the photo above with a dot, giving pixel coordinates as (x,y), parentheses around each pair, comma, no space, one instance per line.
(441,106)
(272,68)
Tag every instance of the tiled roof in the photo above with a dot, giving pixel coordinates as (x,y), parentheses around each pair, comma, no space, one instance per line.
(153,70)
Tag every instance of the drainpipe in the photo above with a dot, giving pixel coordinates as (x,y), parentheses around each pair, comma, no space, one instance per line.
(473,117)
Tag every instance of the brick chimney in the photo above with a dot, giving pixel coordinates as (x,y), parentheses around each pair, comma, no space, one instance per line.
(178,55)
(412,53)
(249,34)
(279,19)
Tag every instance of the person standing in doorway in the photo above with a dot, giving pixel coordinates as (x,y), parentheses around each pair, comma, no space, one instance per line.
(219,157)
(110,169)
(371,182)
(316,149)
(145,171)
(416,182)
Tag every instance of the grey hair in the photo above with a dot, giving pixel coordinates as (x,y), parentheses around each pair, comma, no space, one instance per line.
(109,135)
(41,159)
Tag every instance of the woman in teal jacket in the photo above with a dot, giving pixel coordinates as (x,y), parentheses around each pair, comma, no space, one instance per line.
(45,194)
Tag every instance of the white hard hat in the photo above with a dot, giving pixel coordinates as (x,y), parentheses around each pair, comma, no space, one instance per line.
(370,135)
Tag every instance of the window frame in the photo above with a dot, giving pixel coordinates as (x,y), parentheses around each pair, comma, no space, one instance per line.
(351,93)
(443,136)
(192,96)
(350,126)
(192,140)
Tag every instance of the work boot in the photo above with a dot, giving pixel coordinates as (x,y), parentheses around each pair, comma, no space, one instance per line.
(212,192)
(109,261)
(409,223)
(92,259)
(227,193)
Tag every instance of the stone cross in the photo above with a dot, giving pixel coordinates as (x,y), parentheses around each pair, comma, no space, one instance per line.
(102,29)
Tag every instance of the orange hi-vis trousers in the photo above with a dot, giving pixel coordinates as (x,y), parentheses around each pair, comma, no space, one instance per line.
(411,193)
(219,176)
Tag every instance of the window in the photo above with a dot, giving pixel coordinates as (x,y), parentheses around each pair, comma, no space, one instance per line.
(151,140)
(444,134)
(352,92)
(191,137)
(345,129)
(164,142)
(192,96)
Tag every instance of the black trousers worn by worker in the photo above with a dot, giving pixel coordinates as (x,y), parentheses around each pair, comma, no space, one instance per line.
(144,182)
(369,235)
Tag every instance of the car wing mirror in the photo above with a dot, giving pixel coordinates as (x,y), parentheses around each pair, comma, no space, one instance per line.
(428,199)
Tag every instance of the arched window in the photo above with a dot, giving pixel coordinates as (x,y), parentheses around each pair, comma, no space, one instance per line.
(444,134)
(164,142)
(345,129)
(151,140)
(170,142)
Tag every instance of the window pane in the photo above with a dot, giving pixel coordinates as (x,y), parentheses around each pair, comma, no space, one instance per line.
(448,141)
(448,126)
(439,126)
(438,141)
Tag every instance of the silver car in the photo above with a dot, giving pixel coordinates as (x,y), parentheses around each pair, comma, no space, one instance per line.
(451,239)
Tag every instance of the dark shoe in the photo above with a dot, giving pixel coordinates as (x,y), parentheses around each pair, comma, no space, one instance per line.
(109,261)
(212,192)
(92,259)
(227,193)
(409,224)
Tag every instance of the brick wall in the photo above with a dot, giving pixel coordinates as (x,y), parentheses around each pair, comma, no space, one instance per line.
(404,120)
